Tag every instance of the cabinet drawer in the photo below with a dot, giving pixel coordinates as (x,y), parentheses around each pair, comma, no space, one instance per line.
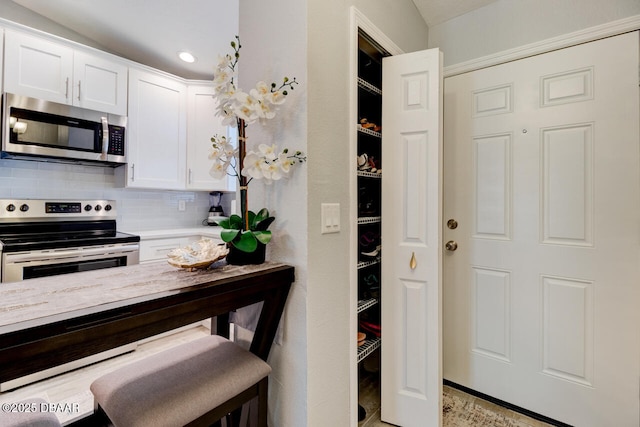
(157,249)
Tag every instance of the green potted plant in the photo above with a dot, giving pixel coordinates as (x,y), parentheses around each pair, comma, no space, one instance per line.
(252,241)
(247,234)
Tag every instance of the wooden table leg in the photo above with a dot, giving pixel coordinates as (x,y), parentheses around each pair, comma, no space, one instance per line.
(222,325)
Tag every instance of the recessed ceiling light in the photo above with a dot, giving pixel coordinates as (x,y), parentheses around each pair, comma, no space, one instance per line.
(187,57)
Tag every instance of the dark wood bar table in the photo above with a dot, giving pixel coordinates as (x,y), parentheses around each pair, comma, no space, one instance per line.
(49,321)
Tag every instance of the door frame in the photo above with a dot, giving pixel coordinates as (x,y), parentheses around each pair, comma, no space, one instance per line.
(358,21)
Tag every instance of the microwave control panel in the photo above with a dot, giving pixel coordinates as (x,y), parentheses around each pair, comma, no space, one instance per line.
(116,140)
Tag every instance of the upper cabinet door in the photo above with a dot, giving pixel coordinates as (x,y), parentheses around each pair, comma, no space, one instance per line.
(51,71)
(99,84)
(1,58)
(38,68)
(202,125)
(157,134)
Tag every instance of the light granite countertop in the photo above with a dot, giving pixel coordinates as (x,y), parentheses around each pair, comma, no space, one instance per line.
(205,231)
(55,295)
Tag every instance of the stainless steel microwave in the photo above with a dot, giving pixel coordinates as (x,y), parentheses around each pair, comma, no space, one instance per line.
(37,129)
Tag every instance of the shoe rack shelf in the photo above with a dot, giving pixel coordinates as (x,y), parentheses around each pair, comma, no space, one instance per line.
(369,181)
(367,348)
(363,84)
(365,264)
(369,220)
(365,304)
(365,174)
(369,132)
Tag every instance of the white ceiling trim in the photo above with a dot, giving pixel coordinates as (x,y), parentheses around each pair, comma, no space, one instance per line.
(609,29)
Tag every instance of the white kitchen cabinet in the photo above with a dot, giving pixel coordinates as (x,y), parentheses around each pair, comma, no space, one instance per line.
(202,124)
(44,69)
(157,133)
(99,83)
(1,57)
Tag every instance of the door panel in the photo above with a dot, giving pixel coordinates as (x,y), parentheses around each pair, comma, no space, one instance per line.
(411,374)
(542,174)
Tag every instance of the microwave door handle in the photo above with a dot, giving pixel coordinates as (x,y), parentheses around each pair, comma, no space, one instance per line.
(105,138)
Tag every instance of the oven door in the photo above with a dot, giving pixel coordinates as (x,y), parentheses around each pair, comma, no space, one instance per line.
(18,266)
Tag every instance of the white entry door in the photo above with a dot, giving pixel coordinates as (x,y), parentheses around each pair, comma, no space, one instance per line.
(411,374)
(542,295)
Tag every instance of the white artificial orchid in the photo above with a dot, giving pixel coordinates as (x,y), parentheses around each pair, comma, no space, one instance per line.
(285,162)
(271,172)
(261,90)
(252,165)
(218,170)
(240,109)
(268,151)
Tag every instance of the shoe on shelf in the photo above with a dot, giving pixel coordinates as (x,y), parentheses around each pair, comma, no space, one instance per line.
(372,328)
(373,253)
(371,126)
(362,413)
(361,338)
(362,162)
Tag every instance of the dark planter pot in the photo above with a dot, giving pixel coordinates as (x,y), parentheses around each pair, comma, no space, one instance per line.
(238,257)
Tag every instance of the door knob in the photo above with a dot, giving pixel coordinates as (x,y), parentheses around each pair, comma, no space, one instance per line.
(451,245)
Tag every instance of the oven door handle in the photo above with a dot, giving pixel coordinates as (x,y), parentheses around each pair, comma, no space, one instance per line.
(74,253)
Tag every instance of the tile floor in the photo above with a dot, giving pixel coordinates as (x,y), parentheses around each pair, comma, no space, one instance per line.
(370,400)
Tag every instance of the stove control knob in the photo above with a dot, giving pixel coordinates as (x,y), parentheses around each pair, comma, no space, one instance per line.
(98,208)
(24,207)
(11,207)
(87,208)
(107,208)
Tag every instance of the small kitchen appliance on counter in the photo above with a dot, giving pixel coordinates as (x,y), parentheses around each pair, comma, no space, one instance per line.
(216,213)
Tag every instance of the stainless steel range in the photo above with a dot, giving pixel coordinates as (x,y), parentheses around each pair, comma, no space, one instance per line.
(48,237)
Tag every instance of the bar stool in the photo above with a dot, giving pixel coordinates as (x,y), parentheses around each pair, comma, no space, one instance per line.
(194,384)
(33,417)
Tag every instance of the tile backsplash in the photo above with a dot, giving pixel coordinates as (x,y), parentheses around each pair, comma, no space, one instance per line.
(137,209)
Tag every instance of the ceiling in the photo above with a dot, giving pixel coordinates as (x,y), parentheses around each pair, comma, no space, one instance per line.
(152,32)
(438,11)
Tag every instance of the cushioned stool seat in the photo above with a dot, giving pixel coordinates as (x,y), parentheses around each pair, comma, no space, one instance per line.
(33,417)
(192,381)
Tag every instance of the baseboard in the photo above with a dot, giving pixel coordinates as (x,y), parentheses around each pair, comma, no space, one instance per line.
(504,404)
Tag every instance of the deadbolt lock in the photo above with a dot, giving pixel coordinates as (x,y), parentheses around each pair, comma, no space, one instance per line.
(452,224)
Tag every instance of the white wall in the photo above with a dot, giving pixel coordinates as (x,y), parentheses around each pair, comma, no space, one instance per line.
(310,40)
(16,13)
(507,24)
(273,39)
(330,167)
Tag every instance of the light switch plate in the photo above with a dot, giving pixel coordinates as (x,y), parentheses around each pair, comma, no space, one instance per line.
(330,218)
